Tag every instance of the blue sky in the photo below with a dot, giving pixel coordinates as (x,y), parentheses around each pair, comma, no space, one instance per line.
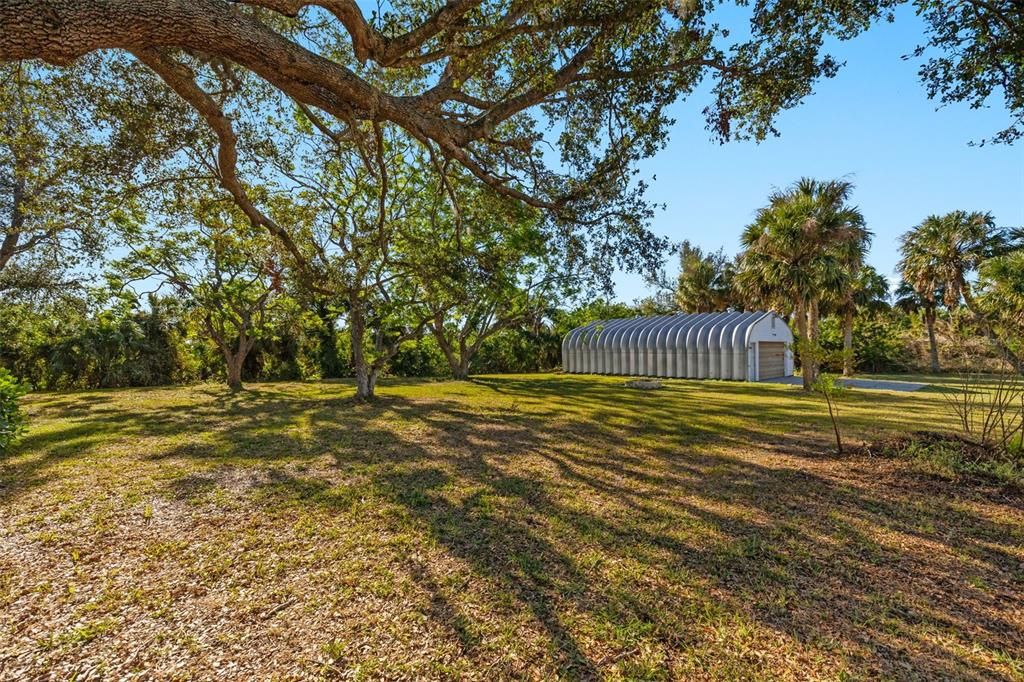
(872,124)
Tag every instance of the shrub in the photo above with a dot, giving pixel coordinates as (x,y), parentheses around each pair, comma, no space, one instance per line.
(955,457)
(517,350)
(878,344)
(419,358)
(12,421)
(989,409)
(986,411)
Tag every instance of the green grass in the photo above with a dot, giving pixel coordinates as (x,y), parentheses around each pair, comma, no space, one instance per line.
(937,382)
(515,527)
(956,461)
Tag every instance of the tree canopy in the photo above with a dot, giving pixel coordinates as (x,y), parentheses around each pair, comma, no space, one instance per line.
(804,248)
(705,283)
(488,84)
(947,250)
(55,184)
(430,164)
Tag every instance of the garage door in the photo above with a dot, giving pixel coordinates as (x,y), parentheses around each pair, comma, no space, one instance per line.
(772,360)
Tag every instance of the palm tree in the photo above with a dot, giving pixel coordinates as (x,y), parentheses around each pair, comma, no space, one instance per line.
(947,250)
(864,290)
(1001,294)
(704,283)
(926,300)
(803,247)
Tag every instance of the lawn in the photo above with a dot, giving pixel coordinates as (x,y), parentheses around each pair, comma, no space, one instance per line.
(515,527)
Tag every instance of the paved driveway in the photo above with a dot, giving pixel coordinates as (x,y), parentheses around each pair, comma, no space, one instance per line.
(874,384)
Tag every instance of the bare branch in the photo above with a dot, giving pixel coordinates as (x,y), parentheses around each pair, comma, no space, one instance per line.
(182,81)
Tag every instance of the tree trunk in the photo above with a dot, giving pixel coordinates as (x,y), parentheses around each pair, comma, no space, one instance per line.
(813,334)
(61,31)
(458,362)
(848,342)
(454,362)
(366,376)
(235,363)
(835,424)
(9,245)
(460,369)
(235,359)
(466,352)
(933,346)
(364,386)
(805,360)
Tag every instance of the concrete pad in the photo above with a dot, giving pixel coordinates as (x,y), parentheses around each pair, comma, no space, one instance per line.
(871,384)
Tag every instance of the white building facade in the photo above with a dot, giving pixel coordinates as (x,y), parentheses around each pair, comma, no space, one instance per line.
(736,346)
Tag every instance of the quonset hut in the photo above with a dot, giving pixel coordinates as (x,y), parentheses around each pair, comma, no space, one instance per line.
(738,346)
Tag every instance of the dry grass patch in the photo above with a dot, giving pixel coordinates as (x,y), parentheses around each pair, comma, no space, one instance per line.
(510,528)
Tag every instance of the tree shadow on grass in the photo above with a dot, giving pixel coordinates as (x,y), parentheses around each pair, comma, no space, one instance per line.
(622,520)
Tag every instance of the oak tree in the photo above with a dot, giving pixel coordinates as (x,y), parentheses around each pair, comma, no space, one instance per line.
(491,268)
(489,84)
(55,189)
(362,216)
(219,264)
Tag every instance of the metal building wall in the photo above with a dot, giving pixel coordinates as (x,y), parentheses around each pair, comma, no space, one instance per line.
(694,346)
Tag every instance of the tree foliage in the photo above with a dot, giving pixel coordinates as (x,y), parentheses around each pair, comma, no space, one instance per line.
(947,250)
(484,85)
(12,421)
(492,269)
(1001,297)
(55,184)
(223,267)
(879,343)
(865,289)
(974,50)
(124,342)
(428,167)
(805,246)
(921,289)
(705,280)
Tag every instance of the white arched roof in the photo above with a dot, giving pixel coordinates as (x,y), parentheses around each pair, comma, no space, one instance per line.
(694,345)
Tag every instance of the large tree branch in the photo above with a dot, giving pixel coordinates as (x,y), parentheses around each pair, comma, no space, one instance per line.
(458,115)
(485,125)
(396,48)
(181,80)
(60,31)
(367,42)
